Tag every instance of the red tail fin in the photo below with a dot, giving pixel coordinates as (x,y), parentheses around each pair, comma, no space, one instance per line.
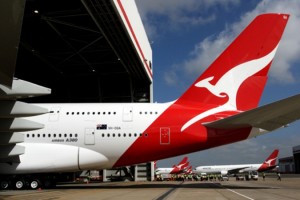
(270,162)
(183,161)
(238,76)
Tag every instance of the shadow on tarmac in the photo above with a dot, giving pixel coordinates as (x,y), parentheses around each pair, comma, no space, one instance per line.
(145,185)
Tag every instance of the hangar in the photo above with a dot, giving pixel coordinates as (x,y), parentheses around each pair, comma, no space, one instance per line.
(84,50)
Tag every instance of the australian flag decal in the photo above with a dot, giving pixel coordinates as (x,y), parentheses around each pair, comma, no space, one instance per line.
(101,126)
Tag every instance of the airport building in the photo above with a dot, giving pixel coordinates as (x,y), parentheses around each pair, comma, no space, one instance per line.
(296,155)
(290,164)
(85,51)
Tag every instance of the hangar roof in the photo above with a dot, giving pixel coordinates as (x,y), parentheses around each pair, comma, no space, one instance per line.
(85,51)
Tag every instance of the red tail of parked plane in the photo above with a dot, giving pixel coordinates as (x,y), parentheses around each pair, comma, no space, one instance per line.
(176,169)
(270,162)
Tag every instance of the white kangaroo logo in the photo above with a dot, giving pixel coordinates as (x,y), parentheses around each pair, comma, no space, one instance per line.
(268,162)
(229,84)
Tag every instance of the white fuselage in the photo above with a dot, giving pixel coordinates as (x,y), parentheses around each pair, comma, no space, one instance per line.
(83,136)
(225,169)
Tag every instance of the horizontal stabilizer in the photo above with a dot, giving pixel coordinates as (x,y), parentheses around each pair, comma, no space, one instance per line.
(22,89)
(11,109)
(268,117)
(236,170)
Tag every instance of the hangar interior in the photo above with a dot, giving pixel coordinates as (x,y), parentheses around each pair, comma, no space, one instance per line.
(84,51)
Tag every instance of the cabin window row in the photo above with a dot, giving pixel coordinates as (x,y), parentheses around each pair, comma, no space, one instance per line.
(53,135)
(123,135)
(91,113)
(146,113)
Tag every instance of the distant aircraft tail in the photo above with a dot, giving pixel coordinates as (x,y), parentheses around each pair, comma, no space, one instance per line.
(270,162)
(238,76)
(183,161)
(181,166)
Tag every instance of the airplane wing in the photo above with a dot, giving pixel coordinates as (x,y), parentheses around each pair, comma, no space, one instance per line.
(268,117)
(236,170)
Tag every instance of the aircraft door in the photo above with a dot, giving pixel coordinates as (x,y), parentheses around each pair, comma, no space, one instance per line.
(89,136)
(165,135)
(127,114)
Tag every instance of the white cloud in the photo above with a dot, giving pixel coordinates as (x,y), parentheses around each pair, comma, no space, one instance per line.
(178,12)
(171,78)
(287,54)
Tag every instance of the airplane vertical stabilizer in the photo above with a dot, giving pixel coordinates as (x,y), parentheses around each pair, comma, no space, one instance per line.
(238,76)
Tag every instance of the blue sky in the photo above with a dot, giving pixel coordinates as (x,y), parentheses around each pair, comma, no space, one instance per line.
(186,36)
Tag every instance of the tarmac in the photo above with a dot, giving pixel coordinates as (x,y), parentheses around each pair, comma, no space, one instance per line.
(271,188)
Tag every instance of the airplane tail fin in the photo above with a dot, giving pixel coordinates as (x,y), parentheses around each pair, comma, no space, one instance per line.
(183,161)
(238,76)
(270,162)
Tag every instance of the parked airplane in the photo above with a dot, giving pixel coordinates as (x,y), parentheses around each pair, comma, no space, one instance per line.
(217,109)
(176,169)
(268,164)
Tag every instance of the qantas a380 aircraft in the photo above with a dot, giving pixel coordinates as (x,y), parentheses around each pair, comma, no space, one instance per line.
(219,108)
(176,169)
(268,164)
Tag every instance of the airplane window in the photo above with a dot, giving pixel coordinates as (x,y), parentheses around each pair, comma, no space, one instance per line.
(71,135)
(129,134)
(108,135)
(99,113)
(49,135)
(146,134)
(93,113)
(135,135)
(103,113)
(44,135)
(67,113)
(77,113)
(38,135)
(27,135)
(156,113)
(109,113)
(140,113)
(102,134)
(76,135)
(114,135)
(54,135)
(72,113)
(119,135)
(82,113)
(33,135)
(124,134)
(115,113)
(88,113)
(59,135)
(65,135)
(150,113)
(141,134)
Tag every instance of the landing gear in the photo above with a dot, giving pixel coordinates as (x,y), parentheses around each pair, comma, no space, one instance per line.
(20,184)
(4,185)
(34,184)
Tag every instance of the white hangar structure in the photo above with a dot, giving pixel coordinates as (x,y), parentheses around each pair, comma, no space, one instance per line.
(84,50)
